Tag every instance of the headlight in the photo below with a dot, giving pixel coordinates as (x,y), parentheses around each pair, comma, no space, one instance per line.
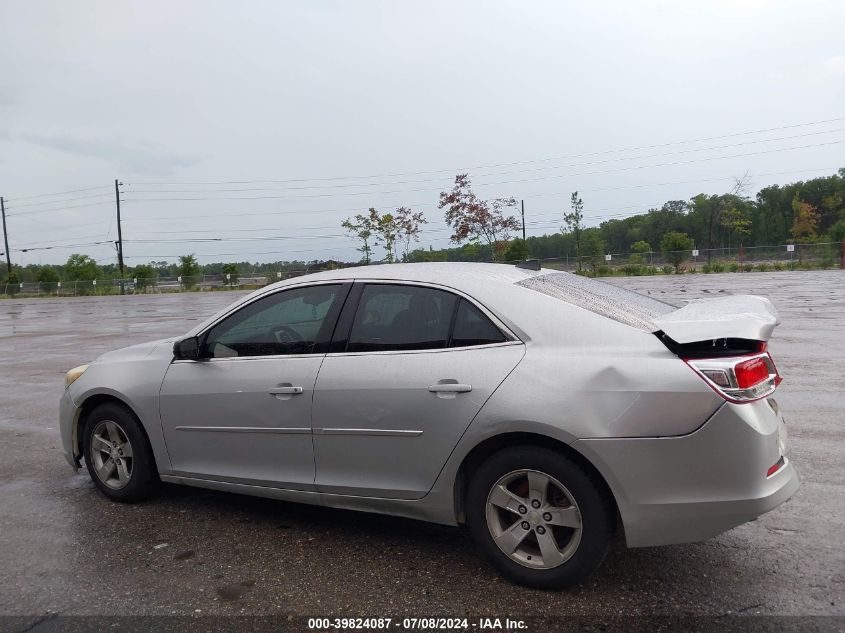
(73,374)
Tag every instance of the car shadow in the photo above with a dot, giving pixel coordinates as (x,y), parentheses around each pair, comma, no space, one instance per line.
(647,570)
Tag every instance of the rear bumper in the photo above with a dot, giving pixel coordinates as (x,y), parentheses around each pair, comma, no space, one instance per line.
(693,487)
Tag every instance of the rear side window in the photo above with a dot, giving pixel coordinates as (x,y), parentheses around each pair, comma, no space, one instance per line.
(472,327)
(399,317)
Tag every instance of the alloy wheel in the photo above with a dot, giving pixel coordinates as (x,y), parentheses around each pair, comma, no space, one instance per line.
(111,454)
(533,519)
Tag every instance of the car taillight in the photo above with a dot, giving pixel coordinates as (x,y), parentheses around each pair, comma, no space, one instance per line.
(751,372)
(776,466)
(740,378)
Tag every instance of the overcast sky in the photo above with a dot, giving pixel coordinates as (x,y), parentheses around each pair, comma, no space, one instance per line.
(532,98)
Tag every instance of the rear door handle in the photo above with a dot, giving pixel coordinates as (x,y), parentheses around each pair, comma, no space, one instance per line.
(450,387)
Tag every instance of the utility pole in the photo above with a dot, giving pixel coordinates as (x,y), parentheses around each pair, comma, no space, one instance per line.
(6,237)
(522,205)
(119,232)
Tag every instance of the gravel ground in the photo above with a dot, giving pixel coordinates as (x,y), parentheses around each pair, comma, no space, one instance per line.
(65,549)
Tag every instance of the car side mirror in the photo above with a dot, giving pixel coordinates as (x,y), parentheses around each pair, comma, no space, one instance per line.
(187,349)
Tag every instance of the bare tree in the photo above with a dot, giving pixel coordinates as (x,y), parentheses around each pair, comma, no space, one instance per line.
(477,220)
(409,224)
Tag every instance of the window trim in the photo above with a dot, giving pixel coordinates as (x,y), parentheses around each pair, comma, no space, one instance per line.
(343,328)
(334,314)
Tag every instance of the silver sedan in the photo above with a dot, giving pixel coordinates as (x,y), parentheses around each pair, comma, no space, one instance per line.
(542,409)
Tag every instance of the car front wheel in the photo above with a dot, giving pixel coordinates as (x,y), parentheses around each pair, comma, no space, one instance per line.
(118,456)
(540,518)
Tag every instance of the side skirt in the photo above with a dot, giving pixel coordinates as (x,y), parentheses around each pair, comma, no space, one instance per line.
(430,509)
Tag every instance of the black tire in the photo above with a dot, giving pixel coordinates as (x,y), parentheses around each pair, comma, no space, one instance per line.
(597,515)
(143,478)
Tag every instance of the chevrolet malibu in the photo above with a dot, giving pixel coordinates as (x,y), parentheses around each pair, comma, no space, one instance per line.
(542,409)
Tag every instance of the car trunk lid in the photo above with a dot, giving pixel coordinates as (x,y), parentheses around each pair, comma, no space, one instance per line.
(748,317)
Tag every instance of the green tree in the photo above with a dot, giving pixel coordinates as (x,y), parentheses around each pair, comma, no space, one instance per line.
(387,230)
(12,283)
(636,261)
(189,270)
(676,248)
(81,268)
(642,247)
(592,247)
(145,274)
(736,223)
(516,251)
(837,231)
(47,275)
(574,221)
(231,270)
(362,227)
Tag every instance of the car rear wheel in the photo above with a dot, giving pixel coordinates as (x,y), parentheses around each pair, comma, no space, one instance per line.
(540,518)
(117,454)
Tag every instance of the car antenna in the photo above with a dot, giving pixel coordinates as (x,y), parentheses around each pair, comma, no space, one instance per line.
(529,264)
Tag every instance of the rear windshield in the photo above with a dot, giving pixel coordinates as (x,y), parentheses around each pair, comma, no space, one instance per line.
(625,306)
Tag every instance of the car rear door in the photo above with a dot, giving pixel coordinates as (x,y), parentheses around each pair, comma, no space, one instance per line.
(409,368)
(243,413)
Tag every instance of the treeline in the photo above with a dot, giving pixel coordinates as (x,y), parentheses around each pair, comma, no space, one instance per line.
(801,212)
(80,267)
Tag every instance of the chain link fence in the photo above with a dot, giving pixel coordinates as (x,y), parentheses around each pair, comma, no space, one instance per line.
(819,255)
(716,260)
(137,285)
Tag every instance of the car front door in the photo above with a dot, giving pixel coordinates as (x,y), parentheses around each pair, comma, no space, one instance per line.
(409,369)
(243,412)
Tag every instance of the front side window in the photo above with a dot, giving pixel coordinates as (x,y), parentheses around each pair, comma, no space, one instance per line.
(287,322)
(398,317)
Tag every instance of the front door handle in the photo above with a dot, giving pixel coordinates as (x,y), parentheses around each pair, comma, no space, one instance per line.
(450,387)
(284,391)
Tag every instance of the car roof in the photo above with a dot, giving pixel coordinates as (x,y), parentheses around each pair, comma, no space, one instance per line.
(465,276)
(516,296)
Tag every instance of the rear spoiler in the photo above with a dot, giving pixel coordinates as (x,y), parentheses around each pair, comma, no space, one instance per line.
(737,316)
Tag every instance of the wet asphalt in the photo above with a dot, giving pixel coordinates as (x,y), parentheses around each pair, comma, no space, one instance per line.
(65,549)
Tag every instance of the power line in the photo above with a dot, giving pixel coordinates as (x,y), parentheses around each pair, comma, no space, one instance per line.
(48,242)
(230,214)
(38,204)
(430,227)
(501,182)
(264,238)
(77,206)
(224,239)
(58,193)
(56,246)
(500,173)
(308,250)
(505,164)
